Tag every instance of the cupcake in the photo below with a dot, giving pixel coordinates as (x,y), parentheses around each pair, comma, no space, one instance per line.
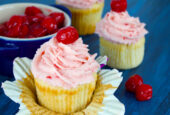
(121,37)
(64,72)
(85,14)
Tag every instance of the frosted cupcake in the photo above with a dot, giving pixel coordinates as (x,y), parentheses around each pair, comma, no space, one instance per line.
(121,37)
(85,14)
(64,73)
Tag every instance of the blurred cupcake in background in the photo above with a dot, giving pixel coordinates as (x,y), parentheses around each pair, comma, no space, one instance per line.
(121,37)
(85,14)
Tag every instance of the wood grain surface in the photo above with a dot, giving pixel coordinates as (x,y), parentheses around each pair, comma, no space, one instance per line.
(155,68)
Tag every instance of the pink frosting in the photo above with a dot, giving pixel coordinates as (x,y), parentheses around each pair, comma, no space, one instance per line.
(121,28)
(82,4)
(64,65)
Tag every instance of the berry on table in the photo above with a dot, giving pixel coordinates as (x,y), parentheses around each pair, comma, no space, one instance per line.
(133,82)
(144,92)
(67,35)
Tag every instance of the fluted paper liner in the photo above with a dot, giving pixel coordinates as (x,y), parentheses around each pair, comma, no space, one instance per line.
(123,56)
(103,102)
(68,100)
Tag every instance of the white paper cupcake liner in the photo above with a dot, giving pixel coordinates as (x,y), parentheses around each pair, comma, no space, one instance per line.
(110,105)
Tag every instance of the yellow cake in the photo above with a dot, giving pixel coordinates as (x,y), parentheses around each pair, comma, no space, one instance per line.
(122,39)
(123,56)
(64,100)
(65,74)
(85,19)
(25,92)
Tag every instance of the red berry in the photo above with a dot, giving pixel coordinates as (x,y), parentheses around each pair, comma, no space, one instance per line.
(37,30)
(36,19)
(32,11)
(14,32)
(49,23)
(133,82)
(119,5)
(144,92)
(25,20)
(55,31)
(29,36)
(3,29)
(15,21)
(23,31)
(67,35)
(59,17)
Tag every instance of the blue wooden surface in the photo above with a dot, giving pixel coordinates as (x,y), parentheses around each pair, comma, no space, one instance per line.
(155,68)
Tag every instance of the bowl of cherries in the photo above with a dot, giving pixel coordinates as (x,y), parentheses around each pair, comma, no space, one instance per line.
(24,27)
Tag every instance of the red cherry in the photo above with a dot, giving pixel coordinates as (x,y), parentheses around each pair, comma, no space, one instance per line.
(14,32)
(55,31)
(59,17)
(36,19)
(119,5)
(37,30)
(133,82)
(49,23)
(29,36)
(25,20)
(23,31)
(67,35)
(32,11)
(15,21)
(3,29)
(144,92)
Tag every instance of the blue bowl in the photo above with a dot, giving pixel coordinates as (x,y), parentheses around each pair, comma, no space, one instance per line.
(10,48)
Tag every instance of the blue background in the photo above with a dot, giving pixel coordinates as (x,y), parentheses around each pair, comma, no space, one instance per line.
(155,68)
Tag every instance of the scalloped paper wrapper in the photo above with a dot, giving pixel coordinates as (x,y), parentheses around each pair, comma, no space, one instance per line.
(103,102)
(123,56)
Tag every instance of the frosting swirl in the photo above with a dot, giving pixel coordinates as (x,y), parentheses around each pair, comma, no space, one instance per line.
(121,28)
(64,65)
(82,4)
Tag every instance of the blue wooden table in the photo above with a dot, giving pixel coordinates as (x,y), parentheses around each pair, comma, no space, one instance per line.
(155,68)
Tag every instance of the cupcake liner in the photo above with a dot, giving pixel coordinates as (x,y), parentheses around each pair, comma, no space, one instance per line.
(84,20)
(68,101)
(123,56)
(103,102)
